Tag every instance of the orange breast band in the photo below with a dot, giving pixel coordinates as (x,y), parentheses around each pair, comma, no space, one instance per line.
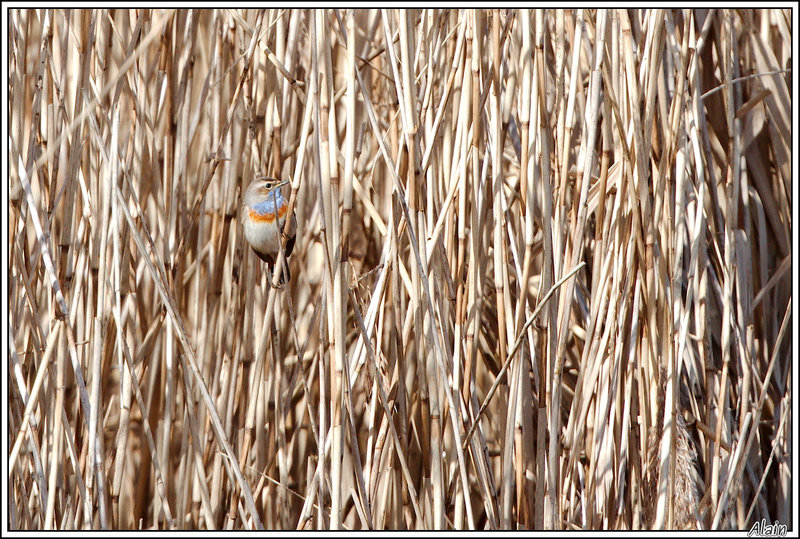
(267,217)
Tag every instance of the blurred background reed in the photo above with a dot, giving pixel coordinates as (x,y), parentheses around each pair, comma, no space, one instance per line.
(542,276)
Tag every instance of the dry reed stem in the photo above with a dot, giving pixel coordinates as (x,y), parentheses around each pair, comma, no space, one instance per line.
(542,274)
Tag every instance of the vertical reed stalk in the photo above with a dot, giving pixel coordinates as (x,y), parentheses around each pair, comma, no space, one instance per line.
(541,275)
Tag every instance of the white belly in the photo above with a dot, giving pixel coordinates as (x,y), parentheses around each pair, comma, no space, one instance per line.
(265,237)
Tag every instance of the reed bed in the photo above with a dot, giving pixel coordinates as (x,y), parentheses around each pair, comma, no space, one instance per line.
(542,276)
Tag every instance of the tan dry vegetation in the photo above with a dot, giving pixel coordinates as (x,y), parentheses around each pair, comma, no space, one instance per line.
(510,222)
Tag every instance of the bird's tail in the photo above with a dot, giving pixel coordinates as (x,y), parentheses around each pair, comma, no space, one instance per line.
(286,274)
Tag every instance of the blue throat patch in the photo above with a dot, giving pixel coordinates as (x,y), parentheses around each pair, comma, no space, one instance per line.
(274,200)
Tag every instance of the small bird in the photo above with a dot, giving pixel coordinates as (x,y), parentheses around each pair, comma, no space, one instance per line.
(262,203)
